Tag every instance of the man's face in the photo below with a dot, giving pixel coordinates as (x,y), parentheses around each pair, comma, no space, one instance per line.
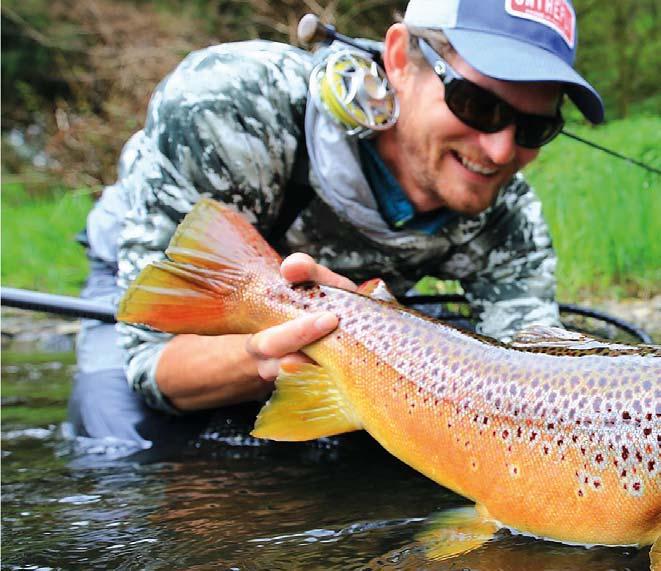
(439,160)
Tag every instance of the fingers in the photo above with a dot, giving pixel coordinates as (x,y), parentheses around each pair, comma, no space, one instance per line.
(269,369)
(300,267)
(289,337)
(282,343)
(270,346)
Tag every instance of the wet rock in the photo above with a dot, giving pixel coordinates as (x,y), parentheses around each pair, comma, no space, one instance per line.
(24,330)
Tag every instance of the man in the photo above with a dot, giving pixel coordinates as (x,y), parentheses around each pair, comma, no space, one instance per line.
(479,86)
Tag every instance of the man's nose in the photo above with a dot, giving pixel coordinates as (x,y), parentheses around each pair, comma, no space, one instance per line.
(500,146)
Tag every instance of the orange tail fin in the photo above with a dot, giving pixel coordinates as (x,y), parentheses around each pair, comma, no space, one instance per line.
(198,289)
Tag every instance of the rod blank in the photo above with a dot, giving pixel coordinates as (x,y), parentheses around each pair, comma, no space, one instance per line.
(58,304)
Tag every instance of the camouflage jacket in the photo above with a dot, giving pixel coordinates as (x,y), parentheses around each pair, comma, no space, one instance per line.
(227,123)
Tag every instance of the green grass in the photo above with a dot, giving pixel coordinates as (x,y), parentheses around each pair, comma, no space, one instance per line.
(39,250)
(604,213)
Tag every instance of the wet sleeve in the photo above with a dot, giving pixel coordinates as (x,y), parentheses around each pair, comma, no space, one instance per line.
(516,285)
(220,127)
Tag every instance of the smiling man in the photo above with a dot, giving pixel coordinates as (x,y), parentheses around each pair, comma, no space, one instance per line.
(479,85)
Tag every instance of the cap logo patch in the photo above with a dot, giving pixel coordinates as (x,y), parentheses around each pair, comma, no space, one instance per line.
(556,14)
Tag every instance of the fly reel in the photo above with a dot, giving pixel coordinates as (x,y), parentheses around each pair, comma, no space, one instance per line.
(353,89)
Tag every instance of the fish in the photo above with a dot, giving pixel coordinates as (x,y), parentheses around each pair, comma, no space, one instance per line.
(556,435)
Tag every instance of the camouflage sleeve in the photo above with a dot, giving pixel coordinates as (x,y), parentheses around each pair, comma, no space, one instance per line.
(224,124)
(516,286)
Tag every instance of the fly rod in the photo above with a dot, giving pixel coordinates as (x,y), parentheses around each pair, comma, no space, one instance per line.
(57,304)
(77,307)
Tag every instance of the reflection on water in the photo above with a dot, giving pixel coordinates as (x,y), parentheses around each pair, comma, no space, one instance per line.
(227,502)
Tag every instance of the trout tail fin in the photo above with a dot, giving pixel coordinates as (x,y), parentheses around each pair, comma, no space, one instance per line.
(197,290)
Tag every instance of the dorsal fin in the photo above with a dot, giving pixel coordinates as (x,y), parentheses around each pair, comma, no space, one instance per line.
(547,336)
(376,288)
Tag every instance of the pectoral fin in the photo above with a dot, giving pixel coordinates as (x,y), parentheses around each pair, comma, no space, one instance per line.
(655,555)
(306,404)
(453,532)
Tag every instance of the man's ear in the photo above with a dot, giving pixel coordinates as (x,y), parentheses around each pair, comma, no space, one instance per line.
(396,58)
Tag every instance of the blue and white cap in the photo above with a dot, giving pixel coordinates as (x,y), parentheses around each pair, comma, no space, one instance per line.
(513,40)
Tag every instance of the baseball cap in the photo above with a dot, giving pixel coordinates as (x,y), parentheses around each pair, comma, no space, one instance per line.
(513,40)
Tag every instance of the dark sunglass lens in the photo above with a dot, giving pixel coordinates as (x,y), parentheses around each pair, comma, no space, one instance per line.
(534,131)
(477,107)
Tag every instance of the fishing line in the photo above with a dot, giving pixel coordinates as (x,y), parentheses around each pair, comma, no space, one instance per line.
(611,152)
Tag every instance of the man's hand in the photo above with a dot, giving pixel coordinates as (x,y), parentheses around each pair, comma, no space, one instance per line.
(282,343)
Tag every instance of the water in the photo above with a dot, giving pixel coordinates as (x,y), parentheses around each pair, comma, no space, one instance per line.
(225,501)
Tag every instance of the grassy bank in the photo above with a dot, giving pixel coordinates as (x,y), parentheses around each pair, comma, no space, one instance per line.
(604,213)
(39,250)
(605,217)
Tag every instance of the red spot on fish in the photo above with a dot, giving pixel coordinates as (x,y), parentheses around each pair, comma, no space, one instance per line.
(639,456)
(625,452)
(596,484)
(546,449)
(626,415)
(518,432)
(647,431)
(580,493)
(636,486)
(550,426)
(650,466)
(506,433)
(599,458)
(533,436)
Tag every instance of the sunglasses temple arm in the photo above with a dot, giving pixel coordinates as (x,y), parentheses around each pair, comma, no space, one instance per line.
(610,152)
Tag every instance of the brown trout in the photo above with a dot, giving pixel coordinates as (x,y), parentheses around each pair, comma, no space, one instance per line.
(551,441)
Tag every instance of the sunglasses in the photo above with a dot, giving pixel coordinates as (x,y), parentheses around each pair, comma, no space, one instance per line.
(485,111)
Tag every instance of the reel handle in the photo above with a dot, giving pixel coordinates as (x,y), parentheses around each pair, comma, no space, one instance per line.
(311,29)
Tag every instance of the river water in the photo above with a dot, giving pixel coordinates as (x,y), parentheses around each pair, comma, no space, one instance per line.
(224,500)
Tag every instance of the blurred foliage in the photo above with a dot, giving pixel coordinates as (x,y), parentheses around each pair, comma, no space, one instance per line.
(83,70)
(603,212)
(39,250)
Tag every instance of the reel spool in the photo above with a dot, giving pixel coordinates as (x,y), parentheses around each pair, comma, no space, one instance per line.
(353,89)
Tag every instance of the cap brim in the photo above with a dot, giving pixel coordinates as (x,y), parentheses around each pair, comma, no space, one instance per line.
(508,59)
